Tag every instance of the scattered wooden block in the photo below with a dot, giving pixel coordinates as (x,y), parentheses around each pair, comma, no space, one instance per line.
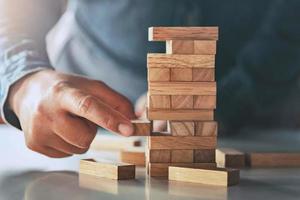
(206,128)
(205,102)
(228,157)
(182,156)
(181,74)
(135,156)
(117,171)
(182,88)
(159,156)
(158,74)
(204,156)
(185,143)
(203,74)
(273,159)
(142,127)
(185,115)
(160,102)
(159,60)
(182,101)
(182,33)
(99,184)
(182,128)
(220,176)
(202,47)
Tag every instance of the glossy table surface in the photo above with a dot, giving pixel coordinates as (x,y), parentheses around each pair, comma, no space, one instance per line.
(28,175)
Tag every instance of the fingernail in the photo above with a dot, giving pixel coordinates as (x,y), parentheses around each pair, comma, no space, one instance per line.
(125,129)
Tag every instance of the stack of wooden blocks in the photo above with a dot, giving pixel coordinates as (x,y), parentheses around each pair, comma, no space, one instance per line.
(182,91)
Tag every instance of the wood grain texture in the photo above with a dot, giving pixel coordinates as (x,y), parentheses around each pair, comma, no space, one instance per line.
(182,74)
(182,101)
(158,74)
(135,156)
(142,127)
(186,47)
(228,157)
(117,171)
(205,47)
(182,156)
(159,60)
(273,159)
(185,142)
(204,156)
(182,88)
(182,33)
(182,128)
(159,156)
(185,115)
(206,128)
(205,102)
(219,176)
(203,74)
(160,101)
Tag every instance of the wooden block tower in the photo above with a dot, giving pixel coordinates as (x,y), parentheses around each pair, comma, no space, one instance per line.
(182,91)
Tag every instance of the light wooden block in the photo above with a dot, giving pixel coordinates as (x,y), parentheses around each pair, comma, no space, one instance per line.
(182,88)
(181,74)
(205,47)
(158,74)
(203,74)
(117,171)
(159,156)
(205,102)
(182,101)
(105,185)
(182,156)
(182,128)
(135,156)
(185,115)
(183,33)
(206,128)
(142,127)
(185,142)
(204,156)
(273,159)
(160,102)
(220,176)
(161,169)
(114,142)
(228,157)
(159,60)
(201,47)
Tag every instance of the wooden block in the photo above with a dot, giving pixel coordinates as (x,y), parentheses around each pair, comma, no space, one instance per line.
(185,115)
(159,60)
(204,155)
(182,102)
(117,171)
(182,156)
(161,169)
(201,47)
(220,176)
(205,102)
(205,47)
(206,128)
(159,156)
(181,74)
(160,102)
(158,74)
(182,88)
(135,156)
(273,159)
(185,142)
(114,142)
(228,157)
(183,33)
(142,127)
(99,184)
(182,128)
(203,74)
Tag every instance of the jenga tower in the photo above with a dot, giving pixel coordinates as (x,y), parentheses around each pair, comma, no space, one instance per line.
(182,91)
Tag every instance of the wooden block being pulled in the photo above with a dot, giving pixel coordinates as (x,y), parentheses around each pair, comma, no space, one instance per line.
(159,156)
(135,156)
(114,142)
(273,159)
(218,176)
(182,128)
(185,115)
(185,142)
(183,33)
(206,128)
(182,101)
(117,171)
(203,74)
(160,102)
(158,74)
(205,102)
(182,74)
(182,88)
(142,127)
(159,60)
(182,156)
(204,156)
(202,47)
(228,157)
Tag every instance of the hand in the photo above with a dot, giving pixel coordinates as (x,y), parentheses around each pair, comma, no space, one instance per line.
(59,113)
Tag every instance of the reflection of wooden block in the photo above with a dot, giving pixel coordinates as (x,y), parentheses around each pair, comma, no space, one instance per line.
(159,60)
(160,102)
(203,47)
(182,102)
(185,115)
(220,176)
(207,128)
(159,74)
(273,159)
(232,158)
(161,169)
(182,156)
(182,33)
(116,171)
(135,156)
(186,142)
(182,128)
(205,102)
(182,88)
(204,155)
(202,74)
(159,156)
(182,74)
(142,127)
